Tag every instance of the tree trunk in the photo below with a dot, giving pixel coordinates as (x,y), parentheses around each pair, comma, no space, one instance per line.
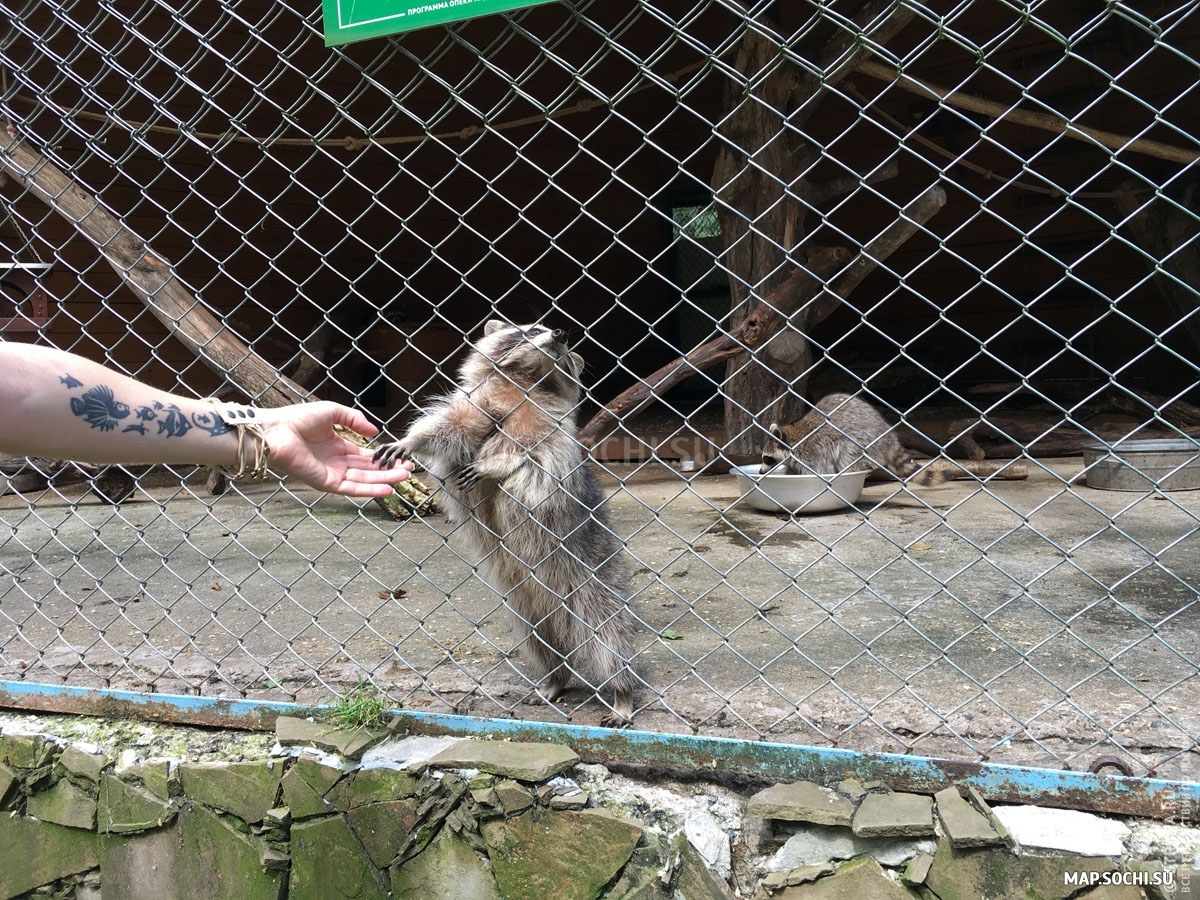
(1166,230)
(761,192)
(757,186)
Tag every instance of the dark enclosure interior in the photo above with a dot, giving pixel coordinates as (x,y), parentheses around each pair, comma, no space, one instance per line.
(369,207)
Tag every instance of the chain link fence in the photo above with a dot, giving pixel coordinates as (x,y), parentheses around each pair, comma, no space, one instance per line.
(980,218)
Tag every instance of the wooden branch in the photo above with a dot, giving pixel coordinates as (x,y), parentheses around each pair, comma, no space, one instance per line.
(147,275)
(831,189)
(153,280)
(913,216)
(801,294)
(797,296)
(1041,121)
(766,318)
(313,350)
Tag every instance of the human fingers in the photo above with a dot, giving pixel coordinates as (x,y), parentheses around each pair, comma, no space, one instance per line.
(352,419)
(370,482)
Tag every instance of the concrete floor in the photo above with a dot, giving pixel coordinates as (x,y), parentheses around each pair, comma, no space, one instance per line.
(1031,622)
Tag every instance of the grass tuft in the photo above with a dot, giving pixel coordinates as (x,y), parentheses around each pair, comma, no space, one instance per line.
(365,707)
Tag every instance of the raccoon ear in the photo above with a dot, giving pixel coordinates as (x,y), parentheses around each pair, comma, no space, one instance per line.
(776,431)
(493,326)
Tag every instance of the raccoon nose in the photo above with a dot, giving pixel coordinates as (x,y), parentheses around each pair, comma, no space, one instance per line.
(558,334)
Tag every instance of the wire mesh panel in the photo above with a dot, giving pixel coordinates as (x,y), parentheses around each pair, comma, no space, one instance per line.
(977,220)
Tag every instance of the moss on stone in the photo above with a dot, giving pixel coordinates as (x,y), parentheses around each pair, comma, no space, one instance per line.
(34,853)
(200,855)
(567,855)
(126,808)
(247,789)
(328,862)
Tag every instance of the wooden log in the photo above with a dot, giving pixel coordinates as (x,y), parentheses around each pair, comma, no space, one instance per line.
(153,280)
(961,435)
(1175,411)
(27,475)
(112,484)
(1005,469)
(767,317)
(1037,439)
(149,276)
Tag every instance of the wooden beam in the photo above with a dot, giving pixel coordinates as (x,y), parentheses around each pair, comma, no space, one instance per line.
(148,275)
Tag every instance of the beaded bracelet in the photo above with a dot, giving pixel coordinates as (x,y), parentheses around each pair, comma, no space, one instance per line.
(242,419)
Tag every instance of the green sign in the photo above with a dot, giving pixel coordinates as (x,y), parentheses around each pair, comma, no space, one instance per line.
(356,20)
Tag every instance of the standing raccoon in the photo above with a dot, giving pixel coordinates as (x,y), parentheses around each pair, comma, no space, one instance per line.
(840,434)
(504,444)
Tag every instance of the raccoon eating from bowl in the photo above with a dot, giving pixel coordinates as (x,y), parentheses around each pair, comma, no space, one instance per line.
(842,433)
(528,507)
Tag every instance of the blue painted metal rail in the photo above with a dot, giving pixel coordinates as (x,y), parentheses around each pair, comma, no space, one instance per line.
(690,755)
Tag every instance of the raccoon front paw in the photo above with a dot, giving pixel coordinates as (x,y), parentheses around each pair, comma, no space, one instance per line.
(468,477)
(390,454)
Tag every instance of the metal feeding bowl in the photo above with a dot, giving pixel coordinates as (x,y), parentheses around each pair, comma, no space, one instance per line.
(781,492)
(1171,464)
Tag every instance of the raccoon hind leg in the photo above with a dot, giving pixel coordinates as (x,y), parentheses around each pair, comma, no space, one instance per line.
(621,713)
(606,650)
(543,657)
(547,665)
(923,472)
(896,459)
(903,466)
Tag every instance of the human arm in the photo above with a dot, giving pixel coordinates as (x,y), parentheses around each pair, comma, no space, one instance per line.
(63,406)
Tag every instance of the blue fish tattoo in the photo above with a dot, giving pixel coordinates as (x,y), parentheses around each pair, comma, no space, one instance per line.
(99,408)
(211,423)
(174,423)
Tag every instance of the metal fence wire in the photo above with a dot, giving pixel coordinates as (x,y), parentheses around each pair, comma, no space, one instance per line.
(979,218)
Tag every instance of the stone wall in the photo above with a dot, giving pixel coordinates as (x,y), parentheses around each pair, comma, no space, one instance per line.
(331,814)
